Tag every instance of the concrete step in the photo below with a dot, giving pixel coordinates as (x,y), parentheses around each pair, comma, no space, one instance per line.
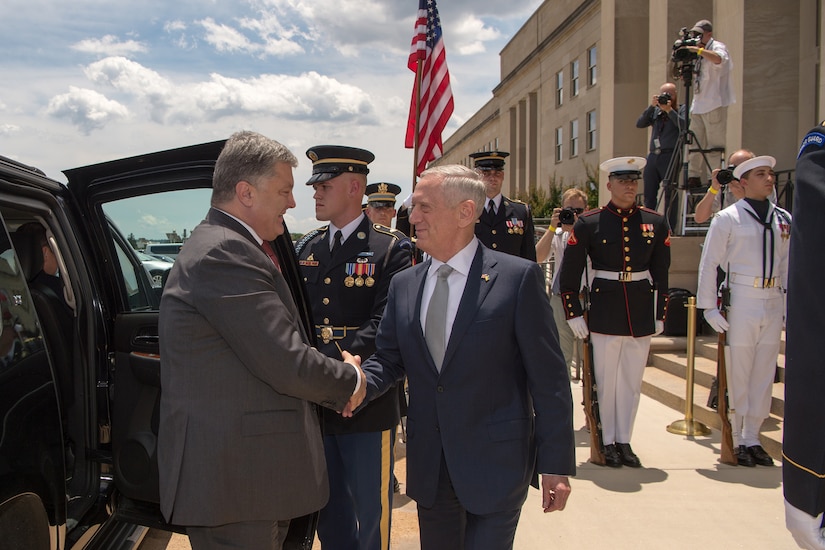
(669,389)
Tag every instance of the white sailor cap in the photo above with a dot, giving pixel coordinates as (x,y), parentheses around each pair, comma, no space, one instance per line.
(755,162)
(621,166)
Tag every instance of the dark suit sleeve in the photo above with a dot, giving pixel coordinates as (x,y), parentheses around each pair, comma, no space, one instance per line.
(570,277)
(398,258)
(547,374)
(528,243)
(251,308)
(385,367)
(659,266)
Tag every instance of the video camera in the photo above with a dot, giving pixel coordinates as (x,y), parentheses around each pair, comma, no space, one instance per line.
(681,53)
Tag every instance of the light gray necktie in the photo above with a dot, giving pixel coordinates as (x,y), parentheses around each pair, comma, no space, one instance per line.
(435,325)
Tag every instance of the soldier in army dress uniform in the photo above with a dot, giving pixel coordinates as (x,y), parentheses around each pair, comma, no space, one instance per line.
(380,207)
(803,445)
(347,266)
(629,247)
(505,224)
(749,241)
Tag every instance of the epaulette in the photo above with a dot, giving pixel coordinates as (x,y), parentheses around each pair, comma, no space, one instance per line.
(649,210)
(299,246)
(516,201)
(388,231)
(591,212)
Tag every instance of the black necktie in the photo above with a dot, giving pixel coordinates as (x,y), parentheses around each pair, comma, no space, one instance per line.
(336,243)
(491,207)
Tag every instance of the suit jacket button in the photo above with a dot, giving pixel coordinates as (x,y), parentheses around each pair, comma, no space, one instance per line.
(440,389)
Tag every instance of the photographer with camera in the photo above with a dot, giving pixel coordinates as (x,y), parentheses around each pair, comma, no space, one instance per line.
(724,189)
(552,245)
(713,93)
(665,116)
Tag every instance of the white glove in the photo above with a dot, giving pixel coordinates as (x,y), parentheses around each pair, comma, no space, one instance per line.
(579,327)
(716,321)
(660,328)
(804,528)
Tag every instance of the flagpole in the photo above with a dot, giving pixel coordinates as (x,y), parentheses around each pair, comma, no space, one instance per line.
(418,77)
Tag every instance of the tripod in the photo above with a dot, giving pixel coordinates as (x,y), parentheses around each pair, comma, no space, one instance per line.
(670,189)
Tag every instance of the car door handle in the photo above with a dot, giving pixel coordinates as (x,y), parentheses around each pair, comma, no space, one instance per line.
(147,340)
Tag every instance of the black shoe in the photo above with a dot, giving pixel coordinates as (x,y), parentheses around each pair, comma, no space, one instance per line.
(743,457)
(611,456)
(760,456)
(627,455)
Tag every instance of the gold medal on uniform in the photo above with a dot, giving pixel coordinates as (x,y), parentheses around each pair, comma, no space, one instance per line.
(370,271)
(359,272)
(349,281)
(785,230)
(647,230)
(510,229)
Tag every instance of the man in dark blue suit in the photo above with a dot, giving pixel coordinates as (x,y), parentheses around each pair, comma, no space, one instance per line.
(490,402)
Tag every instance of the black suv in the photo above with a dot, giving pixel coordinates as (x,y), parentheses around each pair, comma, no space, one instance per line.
(80,368)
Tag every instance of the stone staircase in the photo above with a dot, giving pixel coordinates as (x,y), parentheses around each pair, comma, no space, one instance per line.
(665,381)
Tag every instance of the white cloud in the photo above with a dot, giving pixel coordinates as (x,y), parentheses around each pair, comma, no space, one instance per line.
(109,45)
(470,35)
(87,109)
(228,39)
(7,130)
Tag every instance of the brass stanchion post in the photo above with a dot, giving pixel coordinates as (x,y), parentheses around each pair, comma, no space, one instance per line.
(689,426)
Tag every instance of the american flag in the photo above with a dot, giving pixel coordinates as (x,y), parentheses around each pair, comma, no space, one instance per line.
(436,97)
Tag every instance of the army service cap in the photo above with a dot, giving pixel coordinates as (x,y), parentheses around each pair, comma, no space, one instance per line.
(329,161)
(622,166)
(382,194)
(489,159)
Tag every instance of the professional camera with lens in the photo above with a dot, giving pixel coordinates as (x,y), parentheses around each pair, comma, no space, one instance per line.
(681,53)
(725,175)
(664,98)
(567,216)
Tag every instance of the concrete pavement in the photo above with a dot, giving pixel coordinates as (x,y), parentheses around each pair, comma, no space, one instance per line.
(682,498)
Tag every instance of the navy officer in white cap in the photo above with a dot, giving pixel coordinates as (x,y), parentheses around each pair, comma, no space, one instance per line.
(505,224)
(347,266)
(750,241)
(629,247)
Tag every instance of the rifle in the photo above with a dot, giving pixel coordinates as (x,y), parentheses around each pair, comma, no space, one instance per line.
(727,454)
(590,394)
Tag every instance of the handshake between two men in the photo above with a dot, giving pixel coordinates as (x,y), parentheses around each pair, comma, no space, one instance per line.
(360,389)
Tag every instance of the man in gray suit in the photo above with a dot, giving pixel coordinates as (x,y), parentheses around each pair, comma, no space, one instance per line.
(240,450)
(490,403)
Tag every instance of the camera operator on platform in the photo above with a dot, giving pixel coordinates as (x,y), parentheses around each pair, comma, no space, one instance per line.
(713,92)
(665,116)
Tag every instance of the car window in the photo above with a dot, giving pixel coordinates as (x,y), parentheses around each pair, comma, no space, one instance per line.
(19,332)
(138,224)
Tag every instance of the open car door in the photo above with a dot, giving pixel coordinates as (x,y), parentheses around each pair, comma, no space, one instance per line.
(121,203)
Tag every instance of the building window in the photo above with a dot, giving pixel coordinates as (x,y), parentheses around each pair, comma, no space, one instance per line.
(574,138)
(574,78)
(591,130)
(559,88)
(559,141)
(591,66)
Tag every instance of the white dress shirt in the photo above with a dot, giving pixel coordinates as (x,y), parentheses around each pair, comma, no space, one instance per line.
(457,280)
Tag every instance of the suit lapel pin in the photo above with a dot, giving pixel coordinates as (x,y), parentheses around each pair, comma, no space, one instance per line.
(486,278)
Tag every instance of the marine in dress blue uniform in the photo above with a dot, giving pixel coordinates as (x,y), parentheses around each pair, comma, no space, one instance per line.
(629,247)
(507,226)
(347,290)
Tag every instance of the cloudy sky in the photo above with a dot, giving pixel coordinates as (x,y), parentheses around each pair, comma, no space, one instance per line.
(93,80)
